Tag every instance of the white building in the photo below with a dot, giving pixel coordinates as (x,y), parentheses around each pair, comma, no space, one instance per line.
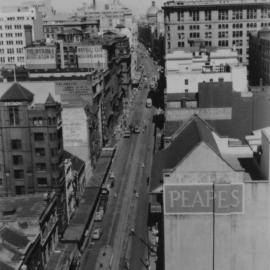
(19,26)
(186,68)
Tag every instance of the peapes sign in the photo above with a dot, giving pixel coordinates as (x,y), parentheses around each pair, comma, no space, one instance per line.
(92,57)
(183,199)
(41,57)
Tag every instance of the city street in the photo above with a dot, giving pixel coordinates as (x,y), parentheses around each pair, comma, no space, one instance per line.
(128,202)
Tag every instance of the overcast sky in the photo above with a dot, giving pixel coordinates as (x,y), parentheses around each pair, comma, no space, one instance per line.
(138,6)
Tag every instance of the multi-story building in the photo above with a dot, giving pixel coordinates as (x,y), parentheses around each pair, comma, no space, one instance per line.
(212,208)
(214,23)
(186,68)
(259,59)
(28,231)
(19,27)
(31,142)
(155,18)
(31,145)
(62,23)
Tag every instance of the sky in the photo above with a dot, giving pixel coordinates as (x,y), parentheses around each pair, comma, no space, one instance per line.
(138,6)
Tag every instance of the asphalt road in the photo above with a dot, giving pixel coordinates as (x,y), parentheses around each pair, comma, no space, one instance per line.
(131,167)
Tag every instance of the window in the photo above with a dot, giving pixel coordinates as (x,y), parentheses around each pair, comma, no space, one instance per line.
(181,44)
(40,152)
(19,190)
(181,35)
(208,34)
(237,33)
(41,166)
(16,144)
(237,14)
(169,45)
(223,34)
(42,181)
(237,25)
(186,91)
(181,27)
(195,15)
(238,42)
(207,15)
(194,27)
(223,26)
(1,181)
(223,15)
(17,160)
(208,26)
(186,81)
(53,136)
(223,43)
(18,174)
(194,35)
(251,13)
(180,16)
(13,116)
(265,13)
(38,136)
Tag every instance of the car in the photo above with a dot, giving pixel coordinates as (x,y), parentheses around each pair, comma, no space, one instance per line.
(99,215)
(111,176)
(136,130)
(97,233)
(126,134)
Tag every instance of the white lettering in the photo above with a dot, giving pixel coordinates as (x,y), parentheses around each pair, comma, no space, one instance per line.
(236,197)
(174,196)
(184,198)
(221,199)
(197,200)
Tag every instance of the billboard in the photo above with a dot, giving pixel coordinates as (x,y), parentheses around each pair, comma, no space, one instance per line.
(40,57)
(93,56)
(183,199)
(74,88)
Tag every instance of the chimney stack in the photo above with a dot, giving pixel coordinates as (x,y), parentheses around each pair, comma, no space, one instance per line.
(94,4)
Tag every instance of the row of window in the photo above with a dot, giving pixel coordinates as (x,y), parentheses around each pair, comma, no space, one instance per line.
(11,59)
(16,144)
(237,14)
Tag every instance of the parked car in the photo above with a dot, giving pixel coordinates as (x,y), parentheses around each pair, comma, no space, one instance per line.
(126,134)
(99,215)
(97,233)
(136,130)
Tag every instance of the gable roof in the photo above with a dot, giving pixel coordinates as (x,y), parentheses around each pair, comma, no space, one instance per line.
(50,100)
(194,131)
(17,93)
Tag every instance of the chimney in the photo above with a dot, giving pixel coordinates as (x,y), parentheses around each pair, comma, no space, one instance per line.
(153,3)
(94,4)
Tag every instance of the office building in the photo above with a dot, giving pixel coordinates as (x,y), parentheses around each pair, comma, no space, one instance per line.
(186,68)
(259,60)
(155,18)
(214,23)
(19,27)
(215,190)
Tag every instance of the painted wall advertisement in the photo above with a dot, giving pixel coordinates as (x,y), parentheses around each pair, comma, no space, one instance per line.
(203,199)
(75,131)
(92,57)
(70,89)
(40,58)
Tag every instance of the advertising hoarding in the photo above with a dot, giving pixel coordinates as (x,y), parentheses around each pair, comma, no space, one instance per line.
(40,57)
(92,56)
(182,199)
(74,88)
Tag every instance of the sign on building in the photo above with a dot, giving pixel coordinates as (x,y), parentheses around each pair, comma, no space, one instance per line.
(182,199)
(74,88)
(92,57)
(40,57)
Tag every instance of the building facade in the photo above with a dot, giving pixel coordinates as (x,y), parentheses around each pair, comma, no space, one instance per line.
(19,27)
(259,60)
(185,69)
(218,202)
(214,23)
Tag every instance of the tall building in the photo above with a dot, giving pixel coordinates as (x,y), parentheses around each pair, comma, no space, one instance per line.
(259,60)
(19,27)
(214,23)
(31,142)
(155,18)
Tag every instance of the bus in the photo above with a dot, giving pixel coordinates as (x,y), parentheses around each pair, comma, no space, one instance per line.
(148,103)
